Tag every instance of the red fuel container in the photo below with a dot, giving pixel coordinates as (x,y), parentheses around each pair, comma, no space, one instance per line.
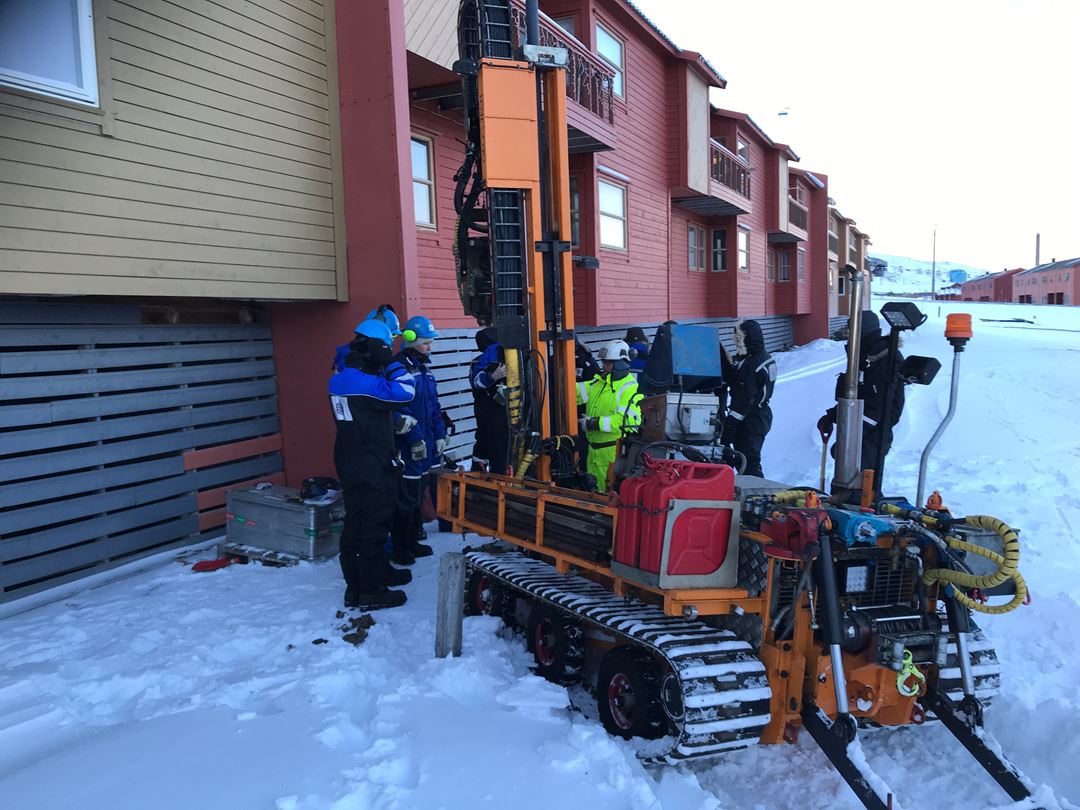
(678,526)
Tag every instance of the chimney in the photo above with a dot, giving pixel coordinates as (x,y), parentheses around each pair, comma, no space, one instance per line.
(1036,250)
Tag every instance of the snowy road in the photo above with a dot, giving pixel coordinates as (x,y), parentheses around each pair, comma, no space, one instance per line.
(178,690)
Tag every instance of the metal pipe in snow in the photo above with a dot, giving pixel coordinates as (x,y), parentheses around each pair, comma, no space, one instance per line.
(849,408)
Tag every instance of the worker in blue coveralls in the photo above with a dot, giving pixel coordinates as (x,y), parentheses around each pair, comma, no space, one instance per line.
(422,445)
(639,348)
(364,391)
(487,378)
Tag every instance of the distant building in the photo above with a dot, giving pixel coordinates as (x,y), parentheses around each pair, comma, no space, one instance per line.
(958,276)
(950,293)
(990,286)
(1052,283)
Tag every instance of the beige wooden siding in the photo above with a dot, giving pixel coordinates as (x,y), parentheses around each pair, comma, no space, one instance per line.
(697,132)
(431,30)
(212,167)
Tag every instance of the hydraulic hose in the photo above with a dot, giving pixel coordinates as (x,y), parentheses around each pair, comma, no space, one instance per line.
(1007,564)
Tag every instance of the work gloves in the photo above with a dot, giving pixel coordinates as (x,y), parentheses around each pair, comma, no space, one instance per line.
(440,446)
(588,423)
(404,423)
(499,373)
(418,451)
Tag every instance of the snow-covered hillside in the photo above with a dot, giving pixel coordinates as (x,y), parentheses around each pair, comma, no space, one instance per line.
(905,275)
(235,690)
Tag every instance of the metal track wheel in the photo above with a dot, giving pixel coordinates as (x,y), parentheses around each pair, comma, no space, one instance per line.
(628,694)
(480,593)
(555,641)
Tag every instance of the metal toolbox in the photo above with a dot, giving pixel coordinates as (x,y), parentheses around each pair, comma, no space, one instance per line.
(274,519)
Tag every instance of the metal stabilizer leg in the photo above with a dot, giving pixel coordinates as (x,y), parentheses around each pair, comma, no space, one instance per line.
(834,742)
(979,744)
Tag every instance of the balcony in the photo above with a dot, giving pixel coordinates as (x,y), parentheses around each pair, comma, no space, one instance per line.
(790,222)
(729,186)
(797,214)
(590,84)
(834,244)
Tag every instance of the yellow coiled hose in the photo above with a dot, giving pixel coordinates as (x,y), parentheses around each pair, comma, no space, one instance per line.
(1007,567)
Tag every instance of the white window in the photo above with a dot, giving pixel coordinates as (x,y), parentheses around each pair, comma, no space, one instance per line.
(575,211)
(423,182)
(566,24)
(841,287)
(697,248)
(719,251)
(802,265)
(784,265)
(742,149)
(770,265)
(611,51)
(744,252)
(47,46)
(612,215)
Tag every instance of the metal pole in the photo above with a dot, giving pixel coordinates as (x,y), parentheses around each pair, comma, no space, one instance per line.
(849,408)
(532,21)
(953,392)
(933,268)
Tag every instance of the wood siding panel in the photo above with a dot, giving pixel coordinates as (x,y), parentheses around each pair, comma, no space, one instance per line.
(209,171)
(431,29)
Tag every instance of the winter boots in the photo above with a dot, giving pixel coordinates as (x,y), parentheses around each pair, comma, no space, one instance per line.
(366,583)
(403,537)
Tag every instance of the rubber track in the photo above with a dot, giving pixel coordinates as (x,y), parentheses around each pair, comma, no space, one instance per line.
(725,689)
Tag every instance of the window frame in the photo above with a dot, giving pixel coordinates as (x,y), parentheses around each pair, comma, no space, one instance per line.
(800,264)
(744,251)
(600,214)
(740,147)
(429,146)
(620,69)
(574,191)
(697,256)
(771,262)
(568,18)
(783,266)
(721,265)
(841,285)
(89,92)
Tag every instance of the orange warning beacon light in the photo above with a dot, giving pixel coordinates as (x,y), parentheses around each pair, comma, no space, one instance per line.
(958,326)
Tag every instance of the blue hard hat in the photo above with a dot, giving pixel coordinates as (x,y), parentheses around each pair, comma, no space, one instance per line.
(376,330)
(384,313)
(419,328)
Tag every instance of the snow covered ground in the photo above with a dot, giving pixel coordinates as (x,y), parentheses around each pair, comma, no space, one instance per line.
(171,689)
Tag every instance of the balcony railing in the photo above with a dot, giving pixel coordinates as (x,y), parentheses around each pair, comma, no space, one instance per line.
(589,81)
(796,212)
(728,170)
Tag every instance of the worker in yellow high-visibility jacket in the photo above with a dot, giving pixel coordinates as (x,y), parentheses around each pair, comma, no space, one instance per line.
(612,409)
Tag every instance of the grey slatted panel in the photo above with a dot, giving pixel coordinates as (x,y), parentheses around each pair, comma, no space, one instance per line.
(72,384)
(43,413)
(106,335)
(61,485)
(68,360)
(837,323)
(38,312)
(14,548)
(29,466)
(97,552)
(61,371)
(85,432)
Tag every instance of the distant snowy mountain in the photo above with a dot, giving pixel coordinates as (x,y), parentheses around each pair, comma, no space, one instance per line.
(906,275)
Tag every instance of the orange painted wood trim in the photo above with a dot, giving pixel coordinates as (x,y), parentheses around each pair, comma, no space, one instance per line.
(194,459)
(211,520)
(209,498)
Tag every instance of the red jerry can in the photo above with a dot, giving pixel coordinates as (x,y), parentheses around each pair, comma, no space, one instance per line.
(678,526)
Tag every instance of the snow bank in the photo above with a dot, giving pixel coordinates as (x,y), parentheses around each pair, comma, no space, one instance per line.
(235,689)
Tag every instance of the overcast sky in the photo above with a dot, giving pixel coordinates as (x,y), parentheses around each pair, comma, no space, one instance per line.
(964,114)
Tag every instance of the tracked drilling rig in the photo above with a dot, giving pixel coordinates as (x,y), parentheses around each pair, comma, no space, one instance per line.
(705,610)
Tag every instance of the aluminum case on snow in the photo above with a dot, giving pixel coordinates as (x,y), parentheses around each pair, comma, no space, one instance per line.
(274,519)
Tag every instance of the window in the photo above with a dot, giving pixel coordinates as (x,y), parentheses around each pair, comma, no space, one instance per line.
(784,265)
(697,248)
(47,46)
(575,211)
(612,215)
(742,149)
(801,267)
(423,182)
(744,252)
(770,266)
(834,271)
(719,251)
(566,24)
(611,51)
(841,286)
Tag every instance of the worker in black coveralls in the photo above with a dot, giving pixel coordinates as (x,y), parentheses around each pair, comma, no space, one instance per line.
(873,374)
(364,390)
(487,378)
(750,376)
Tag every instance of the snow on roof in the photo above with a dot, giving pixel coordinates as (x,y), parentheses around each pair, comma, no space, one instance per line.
(1052,266)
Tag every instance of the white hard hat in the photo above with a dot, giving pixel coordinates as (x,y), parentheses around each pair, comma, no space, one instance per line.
(615,350)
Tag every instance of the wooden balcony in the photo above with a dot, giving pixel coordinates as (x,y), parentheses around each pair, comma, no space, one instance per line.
(729,186)
(797,214)
(590,85)
(793,226)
